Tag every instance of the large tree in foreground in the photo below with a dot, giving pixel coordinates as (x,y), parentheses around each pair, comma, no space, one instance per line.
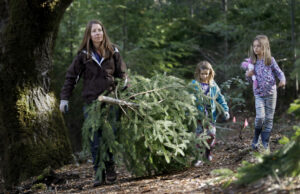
(33,134)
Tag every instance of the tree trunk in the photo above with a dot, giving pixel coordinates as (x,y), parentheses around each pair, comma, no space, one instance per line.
(124,32)
(225,9)
(293,42)
(33,134)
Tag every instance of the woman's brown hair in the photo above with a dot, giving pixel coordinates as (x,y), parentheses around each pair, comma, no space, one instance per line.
(106,47)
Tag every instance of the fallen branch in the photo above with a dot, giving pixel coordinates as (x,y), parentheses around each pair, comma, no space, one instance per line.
(116,101)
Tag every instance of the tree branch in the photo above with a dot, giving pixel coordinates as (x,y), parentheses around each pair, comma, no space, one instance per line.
(149,91)
(116,101)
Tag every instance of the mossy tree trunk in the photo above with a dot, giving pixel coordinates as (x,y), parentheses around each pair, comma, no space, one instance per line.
(33,134)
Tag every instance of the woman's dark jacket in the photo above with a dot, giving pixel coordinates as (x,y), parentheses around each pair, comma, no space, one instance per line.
(97,76)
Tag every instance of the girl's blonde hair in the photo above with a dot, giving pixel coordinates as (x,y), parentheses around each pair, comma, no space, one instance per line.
(106,47)
(204,65)
(265,46)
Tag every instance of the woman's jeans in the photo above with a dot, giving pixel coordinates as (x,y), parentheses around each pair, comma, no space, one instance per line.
(94,144)
(265,109)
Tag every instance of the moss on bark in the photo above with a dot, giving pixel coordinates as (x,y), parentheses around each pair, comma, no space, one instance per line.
(39,139)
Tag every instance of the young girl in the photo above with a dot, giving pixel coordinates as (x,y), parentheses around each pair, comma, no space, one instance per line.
(265,70)
(204,81)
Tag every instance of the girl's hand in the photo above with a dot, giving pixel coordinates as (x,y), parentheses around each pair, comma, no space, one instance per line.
(249,73)
(281,84)
(227,115)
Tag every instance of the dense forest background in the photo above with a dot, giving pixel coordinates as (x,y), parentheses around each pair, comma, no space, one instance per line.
(171,36)
(162,40)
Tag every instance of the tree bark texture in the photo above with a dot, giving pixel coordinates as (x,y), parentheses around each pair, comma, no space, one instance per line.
(293,42)
(33,134)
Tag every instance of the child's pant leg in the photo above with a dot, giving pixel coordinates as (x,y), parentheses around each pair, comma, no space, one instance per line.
(212,133)
(260,112)
(199,128)
(211,141)
(270,110)
(270,106)
(265,109)
(259,119)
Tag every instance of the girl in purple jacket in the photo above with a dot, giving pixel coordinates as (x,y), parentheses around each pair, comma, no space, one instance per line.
(265,70)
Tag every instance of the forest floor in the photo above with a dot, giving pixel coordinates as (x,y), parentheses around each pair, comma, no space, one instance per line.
(233,147)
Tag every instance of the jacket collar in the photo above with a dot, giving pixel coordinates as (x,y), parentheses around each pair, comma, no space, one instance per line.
(94,58)
(212,83)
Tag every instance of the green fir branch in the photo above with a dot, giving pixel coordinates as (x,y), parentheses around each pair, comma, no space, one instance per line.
(155,137)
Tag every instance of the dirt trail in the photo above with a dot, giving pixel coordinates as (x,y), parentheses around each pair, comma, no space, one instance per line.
(231,149)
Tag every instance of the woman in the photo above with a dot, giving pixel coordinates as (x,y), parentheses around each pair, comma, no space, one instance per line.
(98,62)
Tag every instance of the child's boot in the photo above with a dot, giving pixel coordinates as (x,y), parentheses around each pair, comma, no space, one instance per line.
(257,132)
(265,136)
